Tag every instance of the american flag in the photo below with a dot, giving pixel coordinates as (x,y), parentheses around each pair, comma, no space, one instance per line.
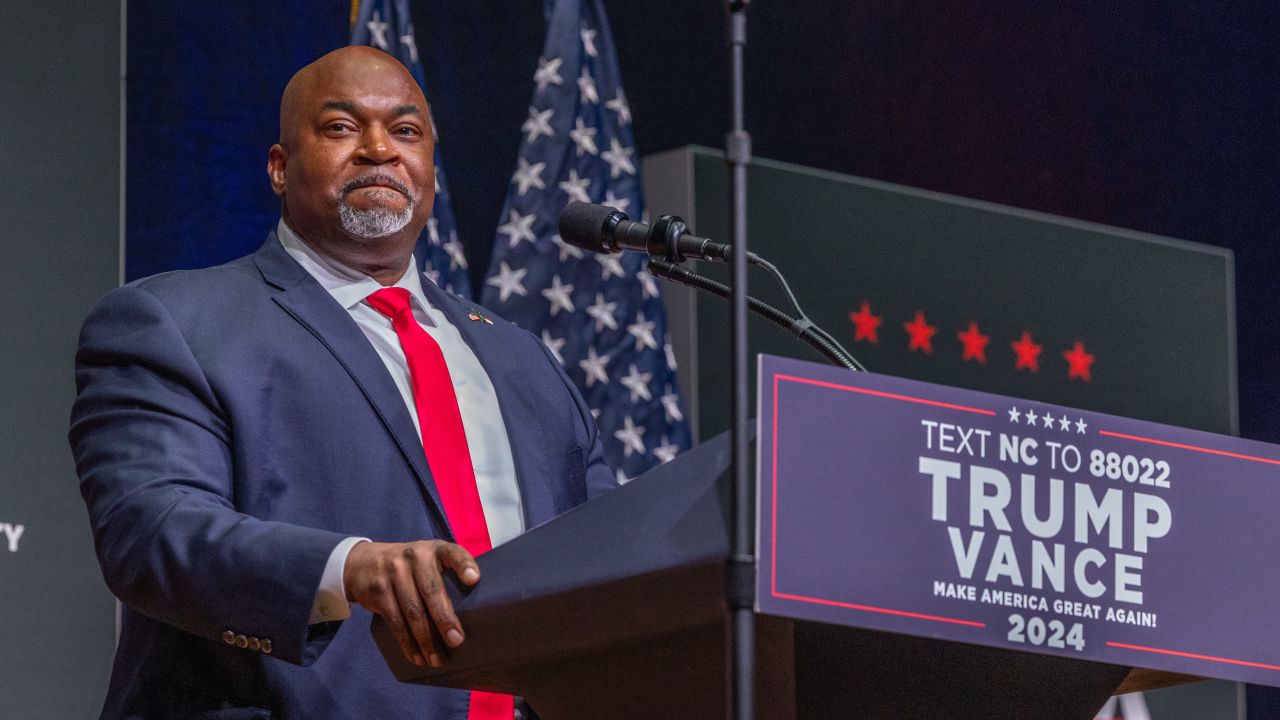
(601,315)
(387,25)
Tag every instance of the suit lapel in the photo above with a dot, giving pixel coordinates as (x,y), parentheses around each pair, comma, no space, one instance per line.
(312,306)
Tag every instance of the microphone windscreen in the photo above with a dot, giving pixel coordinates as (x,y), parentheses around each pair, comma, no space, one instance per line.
(583,225)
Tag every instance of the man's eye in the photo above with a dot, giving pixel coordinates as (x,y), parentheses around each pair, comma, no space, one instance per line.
(339,127)
(407,131)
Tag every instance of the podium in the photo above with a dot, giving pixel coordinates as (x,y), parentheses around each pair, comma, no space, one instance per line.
(615,610)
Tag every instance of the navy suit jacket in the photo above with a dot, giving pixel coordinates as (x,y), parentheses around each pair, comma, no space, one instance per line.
(231,426)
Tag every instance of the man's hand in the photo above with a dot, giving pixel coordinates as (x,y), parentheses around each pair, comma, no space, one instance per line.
(399,580)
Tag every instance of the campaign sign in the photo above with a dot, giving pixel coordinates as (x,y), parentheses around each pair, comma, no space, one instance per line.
(927,510)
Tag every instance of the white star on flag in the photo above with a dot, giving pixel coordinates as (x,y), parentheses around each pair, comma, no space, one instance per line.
(589,41)
(548,73)
(576,187)
(456,257)
(614,201)
(587,88)
(671,356)
(620,476)
(519,227)
(666,452)
(558,296)
(619,159)
(671,406)
(585,138)
(433,230)
(638,383)
(611,264)
(642,331)
(378,31)
(603,313)
(528,175)
(566,250)
(411,43)
(648,286)
(593,365)
(631,437)
(553,344)
(619,105)
(508,281)
(538,124)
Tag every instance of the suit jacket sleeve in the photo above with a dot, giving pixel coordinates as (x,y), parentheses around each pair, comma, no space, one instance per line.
(599,478)
(151,446)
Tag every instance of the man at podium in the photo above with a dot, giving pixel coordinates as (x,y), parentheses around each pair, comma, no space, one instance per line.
(273,450)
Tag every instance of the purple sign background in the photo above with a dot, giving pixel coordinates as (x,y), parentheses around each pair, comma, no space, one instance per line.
(882,505)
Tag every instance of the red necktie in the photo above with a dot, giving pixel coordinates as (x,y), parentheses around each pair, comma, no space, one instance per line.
(445,442)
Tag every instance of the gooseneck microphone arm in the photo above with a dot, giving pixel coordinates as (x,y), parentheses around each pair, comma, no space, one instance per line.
(802,328)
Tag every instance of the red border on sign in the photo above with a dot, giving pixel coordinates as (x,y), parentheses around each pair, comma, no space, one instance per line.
(1193,656)
(1194,448)
(773,551)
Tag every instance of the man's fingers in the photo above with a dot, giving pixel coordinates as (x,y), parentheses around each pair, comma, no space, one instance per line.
(390,612)
(415,618)
(457,559)
(439,606)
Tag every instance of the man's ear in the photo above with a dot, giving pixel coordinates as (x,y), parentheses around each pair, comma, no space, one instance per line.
(276,158)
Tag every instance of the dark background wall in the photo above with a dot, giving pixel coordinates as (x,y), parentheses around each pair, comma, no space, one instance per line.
(1160,117)
(60,239)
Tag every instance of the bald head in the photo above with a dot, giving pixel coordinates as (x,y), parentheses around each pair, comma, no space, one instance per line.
(354,167)
(353,63)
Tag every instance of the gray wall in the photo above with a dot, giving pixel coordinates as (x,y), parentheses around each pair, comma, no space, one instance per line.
(60,248)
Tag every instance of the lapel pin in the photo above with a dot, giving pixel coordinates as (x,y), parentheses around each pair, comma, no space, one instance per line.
(477,317)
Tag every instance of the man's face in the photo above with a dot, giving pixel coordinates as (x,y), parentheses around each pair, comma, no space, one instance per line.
(356,152)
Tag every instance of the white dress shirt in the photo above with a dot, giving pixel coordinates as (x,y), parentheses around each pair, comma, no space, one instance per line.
(487,439)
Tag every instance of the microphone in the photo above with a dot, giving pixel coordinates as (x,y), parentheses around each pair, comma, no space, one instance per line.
(603,229)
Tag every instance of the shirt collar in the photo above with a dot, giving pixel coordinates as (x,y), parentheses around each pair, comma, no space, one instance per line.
(347,285)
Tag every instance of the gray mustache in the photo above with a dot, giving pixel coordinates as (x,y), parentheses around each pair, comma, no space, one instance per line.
(369,180)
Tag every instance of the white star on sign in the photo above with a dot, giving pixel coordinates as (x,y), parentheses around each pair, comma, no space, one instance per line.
(409,42)
(593,366)
(1081,425)
(548,73)
(589,41)
(457,259)
(619,105)
(666,452)
(1031,417)
(1014,415)
(508,281)
(528,176)
(554,345)
(638,383)
(566,250)
(642,331)
(1048,420)
(648,286)
(671,405)
(611,263)
(519,227)
(603,313)
(614,201)
(631,437)
(576,187)
(619,159)
(558,296)
(585,138)
(1064,423)
(537,124)
(378,31)
(587,88)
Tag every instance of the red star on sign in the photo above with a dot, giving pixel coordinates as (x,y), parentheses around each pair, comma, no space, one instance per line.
(921,334)
(1078,363)
(1028,353)
(975,343)
(865,324)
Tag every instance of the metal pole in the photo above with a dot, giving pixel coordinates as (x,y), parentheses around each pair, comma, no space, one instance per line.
(741,570)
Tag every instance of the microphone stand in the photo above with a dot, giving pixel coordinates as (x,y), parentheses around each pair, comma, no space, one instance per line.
(801,328)
(740,573)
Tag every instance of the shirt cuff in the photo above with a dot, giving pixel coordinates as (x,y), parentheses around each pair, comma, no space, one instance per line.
(331,597)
